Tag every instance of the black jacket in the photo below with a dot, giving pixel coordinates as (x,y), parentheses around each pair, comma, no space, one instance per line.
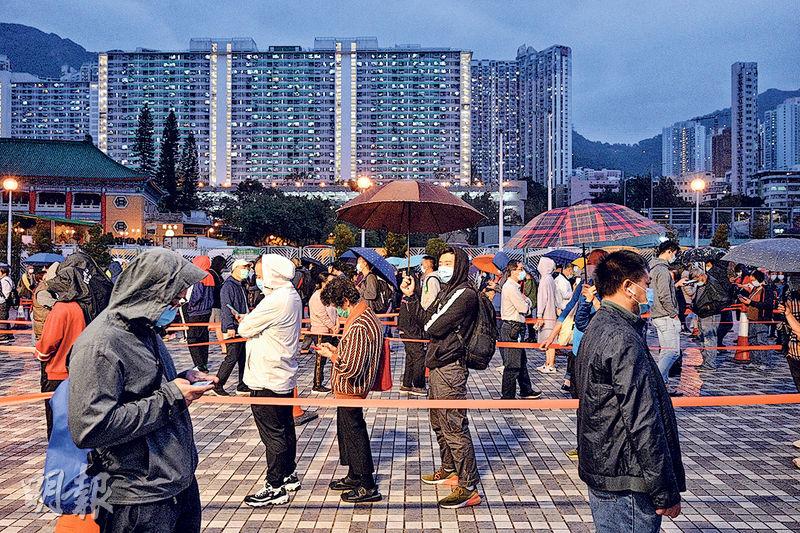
(449,320)
(235,295)
(627,432)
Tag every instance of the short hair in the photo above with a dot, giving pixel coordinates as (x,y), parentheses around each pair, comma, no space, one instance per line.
(5,269)
(432,259)
(668,246)
(697,271)
(322,276)
(338,290)
(759,276)
(511,266)
(595,256)
(616,268)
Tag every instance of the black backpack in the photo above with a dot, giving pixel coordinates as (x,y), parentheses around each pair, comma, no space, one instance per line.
(385,294)
(482,340)
(13,296)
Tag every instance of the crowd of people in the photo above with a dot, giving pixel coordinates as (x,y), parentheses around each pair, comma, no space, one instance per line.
(105,332)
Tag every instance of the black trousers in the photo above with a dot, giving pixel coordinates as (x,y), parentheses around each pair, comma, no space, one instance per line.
(414,373)
(275,425)
(515,362)
(198,334)
(180,514)
(48,385)
(234,356)
(4,314)
(794,368)
(354,450)
(319,363)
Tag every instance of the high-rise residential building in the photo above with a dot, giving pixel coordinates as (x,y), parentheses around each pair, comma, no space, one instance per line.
(768,133)
(721,152)
(36,108)
(683,149)
(495,116)
(787,134)
(744,126)
(545,117)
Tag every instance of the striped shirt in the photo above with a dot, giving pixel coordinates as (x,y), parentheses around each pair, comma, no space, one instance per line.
(793,307)
(356,366)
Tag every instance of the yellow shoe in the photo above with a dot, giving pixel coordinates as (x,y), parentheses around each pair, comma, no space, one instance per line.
(441,477)
(460,497)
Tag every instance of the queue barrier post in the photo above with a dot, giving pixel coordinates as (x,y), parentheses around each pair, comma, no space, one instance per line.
(742,356)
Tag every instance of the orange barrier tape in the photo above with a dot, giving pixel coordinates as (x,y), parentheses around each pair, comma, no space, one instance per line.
(20,322)
(381,403)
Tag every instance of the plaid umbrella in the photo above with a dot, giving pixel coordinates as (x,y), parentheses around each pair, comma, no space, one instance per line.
(773,254)
(583,224)
(562,257)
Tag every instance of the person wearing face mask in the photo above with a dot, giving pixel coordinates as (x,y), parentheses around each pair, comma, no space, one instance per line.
(564,286)
(233,301)
(127,401)
(514,307)
(628,445)
(369,286)
(665,313)
(324,323)
(760,304)
(272,331)
(547,311)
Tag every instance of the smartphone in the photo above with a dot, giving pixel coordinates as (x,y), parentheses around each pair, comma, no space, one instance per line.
(201,383)
(232,310)
(690,282)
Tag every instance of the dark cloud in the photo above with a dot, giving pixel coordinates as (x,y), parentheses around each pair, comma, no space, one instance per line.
(637,66)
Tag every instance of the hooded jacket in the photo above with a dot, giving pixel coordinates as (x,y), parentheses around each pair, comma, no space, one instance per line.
(449,320)
(546,305)
(122,401)
(665,303)
(43,301)
(272,329)
(79,279)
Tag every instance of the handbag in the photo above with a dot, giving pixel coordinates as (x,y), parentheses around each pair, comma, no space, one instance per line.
(383,377)
(567,327)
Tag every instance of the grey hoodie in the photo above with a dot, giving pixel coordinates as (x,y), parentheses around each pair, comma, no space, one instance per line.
(665,303)
(121,401)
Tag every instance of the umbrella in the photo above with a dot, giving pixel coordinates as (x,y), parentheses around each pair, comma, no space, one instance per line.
(500,260)
(773,254)
(484,263)
(380,265)
(562,257)
(409,206)
(43,259)
(701,254)
(402,262)
(584,224)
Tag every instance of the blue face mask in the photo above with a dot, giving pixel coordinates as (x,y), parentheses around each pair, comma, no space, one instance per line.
(260,284)
(644,307)
(166,317)
(445,273)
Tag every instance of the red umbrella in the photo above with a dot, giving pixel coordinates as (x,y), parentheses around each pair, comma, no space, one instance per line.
(409,206)
(584,224)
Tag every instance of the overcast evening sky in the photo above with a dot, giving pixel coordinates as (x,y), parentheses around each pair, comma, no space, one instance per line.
(637,66)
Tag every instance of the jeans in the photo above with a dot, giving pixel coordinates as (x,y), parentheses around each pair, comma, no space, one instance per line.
(180,514)
(234,356)
(319,362)
(709,326)
(515,362)
(758,335)
(618,512)
(354,450)
(669,341)
(196,335)
(725,327)
(275,425)
(451,426)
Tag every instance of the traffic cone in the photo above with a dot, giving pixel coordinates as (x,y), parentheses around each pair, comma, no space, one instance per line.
(743,356)
(69,523)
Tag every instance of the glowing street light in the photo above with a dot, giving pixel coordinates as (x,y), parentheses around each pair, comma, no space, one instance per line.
(363,183)
(698,185)
(10,184)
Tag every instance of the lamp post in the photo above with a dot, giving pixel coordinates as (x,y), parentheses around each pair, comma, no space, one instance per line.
(501,206)
(698,185)
(363,183)
(10,185)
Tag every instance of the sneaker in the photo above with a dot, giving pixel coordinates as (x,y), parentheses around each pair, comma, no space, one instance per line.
(218,391)
(796,462)
(344,484)
(546,369)
(566,388)
(267,496)
(305,418)
(406,389)
(532,395)
(362,495)
(796,444)
(501,368)
(243,391)
(321,388)
(573,454)
(460,497)
(418,391)
(291,483)
(441,477)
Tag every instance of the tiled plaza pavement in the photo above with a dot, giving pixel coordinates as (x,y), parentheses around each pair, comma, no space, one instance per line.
(738,461)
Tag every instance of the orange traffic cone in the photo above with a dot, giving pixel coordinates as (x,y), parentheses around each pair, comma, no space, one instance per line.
(70,523)
(742,356)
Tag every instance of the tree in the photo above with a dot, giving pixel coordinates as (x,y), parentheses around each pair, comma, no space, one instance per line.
(537,199)
(435,247)
(16,249)
(97,246)
(188,175)
(343,239)
(486,206)
(42,240)
(735,200)
(396,245)
(166,175)
(144,147)
(666,194)
(720,239)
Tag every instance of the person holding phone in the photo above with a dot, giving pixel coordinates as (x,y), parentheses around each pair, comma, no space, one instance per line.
(233,301)
(324,323)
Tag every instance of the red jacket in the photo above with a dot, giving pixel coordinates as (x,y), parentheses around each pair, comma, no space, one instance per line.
(62,327)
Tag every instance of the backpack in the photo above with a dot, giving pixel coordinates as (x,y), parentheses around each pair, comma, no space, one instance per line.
(67,487)
(13,296)
(385,294)
(482,340)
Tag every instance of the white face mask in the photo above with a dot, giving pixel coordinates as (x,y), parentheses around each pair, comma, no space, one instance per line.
(756,283)
(521,276)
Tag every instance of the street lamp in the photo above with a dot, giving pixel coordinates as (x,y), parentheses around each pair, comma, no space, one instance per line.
(11,185)
(363,183)
(697,185)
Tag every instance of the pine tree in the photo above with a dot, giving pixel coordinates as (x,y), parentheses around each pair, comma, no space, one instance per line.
(97,246)
(188,176)
(166,176)
(720,239)
(144,147)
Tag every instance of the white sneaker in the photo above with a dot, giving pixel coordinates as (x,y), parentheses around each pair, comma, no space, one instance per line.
(501,368)
(545,369)
(796,444)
